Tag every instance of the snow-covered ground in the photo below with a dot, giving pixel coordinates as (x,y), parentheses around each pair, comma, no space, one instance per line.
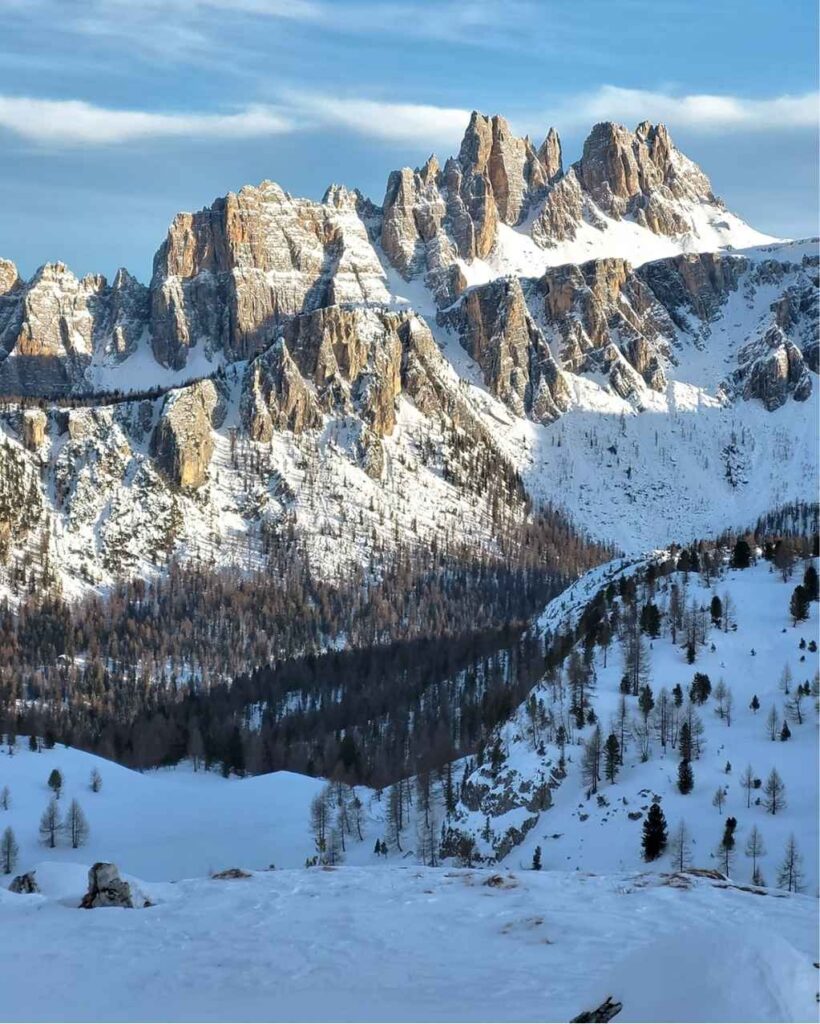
(751,661)
(411,944)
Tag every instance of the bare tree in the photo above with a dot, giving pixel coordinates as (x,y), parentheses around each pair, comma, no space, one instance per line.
(8,851)
(790,875)
(50,824)
(320,821)
(747,780)
(719,799)
(591,760)
(755,848)
(775,792)
(95,782)
(772,720)
(680,846)
(75,825)
(5,798)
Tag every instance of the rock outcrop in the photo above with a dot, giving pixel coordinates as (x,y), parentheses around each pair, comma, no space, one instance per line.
(771,369)
(498,331)
(54,325)
(34,428)
(107,889)
(182,441)
(26,883)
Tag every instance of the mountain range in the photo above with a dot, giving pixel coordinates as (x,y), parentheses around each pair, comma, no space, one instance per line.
(502,332)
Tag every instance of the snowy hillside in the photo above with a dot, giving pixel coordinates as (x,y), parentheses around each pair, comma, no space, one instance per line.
(598,827)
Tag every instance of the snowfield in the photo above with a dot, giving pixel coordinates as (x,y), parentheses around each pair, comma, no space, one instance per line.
(414,944)
(385,938)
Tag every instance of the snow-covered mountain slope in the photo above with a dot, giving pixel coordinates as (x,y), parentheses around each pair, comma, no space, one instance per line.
(396,944)
(357,375)
(601,831)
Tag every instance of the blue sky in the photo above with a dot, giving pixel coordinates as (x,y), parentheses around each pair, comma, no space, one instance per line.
(115,114)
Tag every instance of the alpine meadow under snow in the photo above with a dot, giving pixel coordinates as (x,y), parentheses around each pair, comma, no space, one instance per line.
(410,610)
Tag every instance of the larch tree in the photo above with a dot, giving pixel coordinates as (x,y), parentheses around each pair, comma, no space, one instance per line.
(755,848)
(790,876)
(50,824)
(680,846)
(9,851)
(774,791)
(75,826)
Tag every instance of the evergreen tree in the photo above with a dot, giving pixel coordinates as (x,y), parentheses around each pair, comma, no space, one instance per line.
(686,778)
(536,859)
(612,757)
(646,702)
(785,732)
(726,846)
(742,554)
(55,782)
(716,610)
(654,833)
(677,695)
(811,585)
(32,744)
(685,742)
(799,604)
(8,851)
(5,798)
(755,704)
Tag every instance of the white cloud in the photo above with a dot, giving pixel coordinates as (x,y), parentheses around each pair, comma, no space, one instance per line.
(696,112)
(75,122)
(392,122)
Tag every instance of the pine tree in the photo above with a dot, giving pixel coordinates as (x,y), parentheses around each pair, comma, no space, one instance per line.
(76,826)
(8,851)
(5,798)
(742,554)
(612,757)
(790,875)
(685,742)
(716,610)
(654,833)
(775,792)
(686,778)
(799,604)
(646,702)
(785,732)
(536,859)
(55,782)
(50,824)
(811,585)
(755,704)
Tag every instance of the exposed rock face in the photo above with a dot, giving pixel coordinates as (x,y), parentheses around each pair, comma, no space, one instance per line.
(107,889)
(182,441)
(26,883)
(500,334)
(603,307)
(228,276)
(771,369)
(639,173)
(34,428)
(52,326)
(696,283)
